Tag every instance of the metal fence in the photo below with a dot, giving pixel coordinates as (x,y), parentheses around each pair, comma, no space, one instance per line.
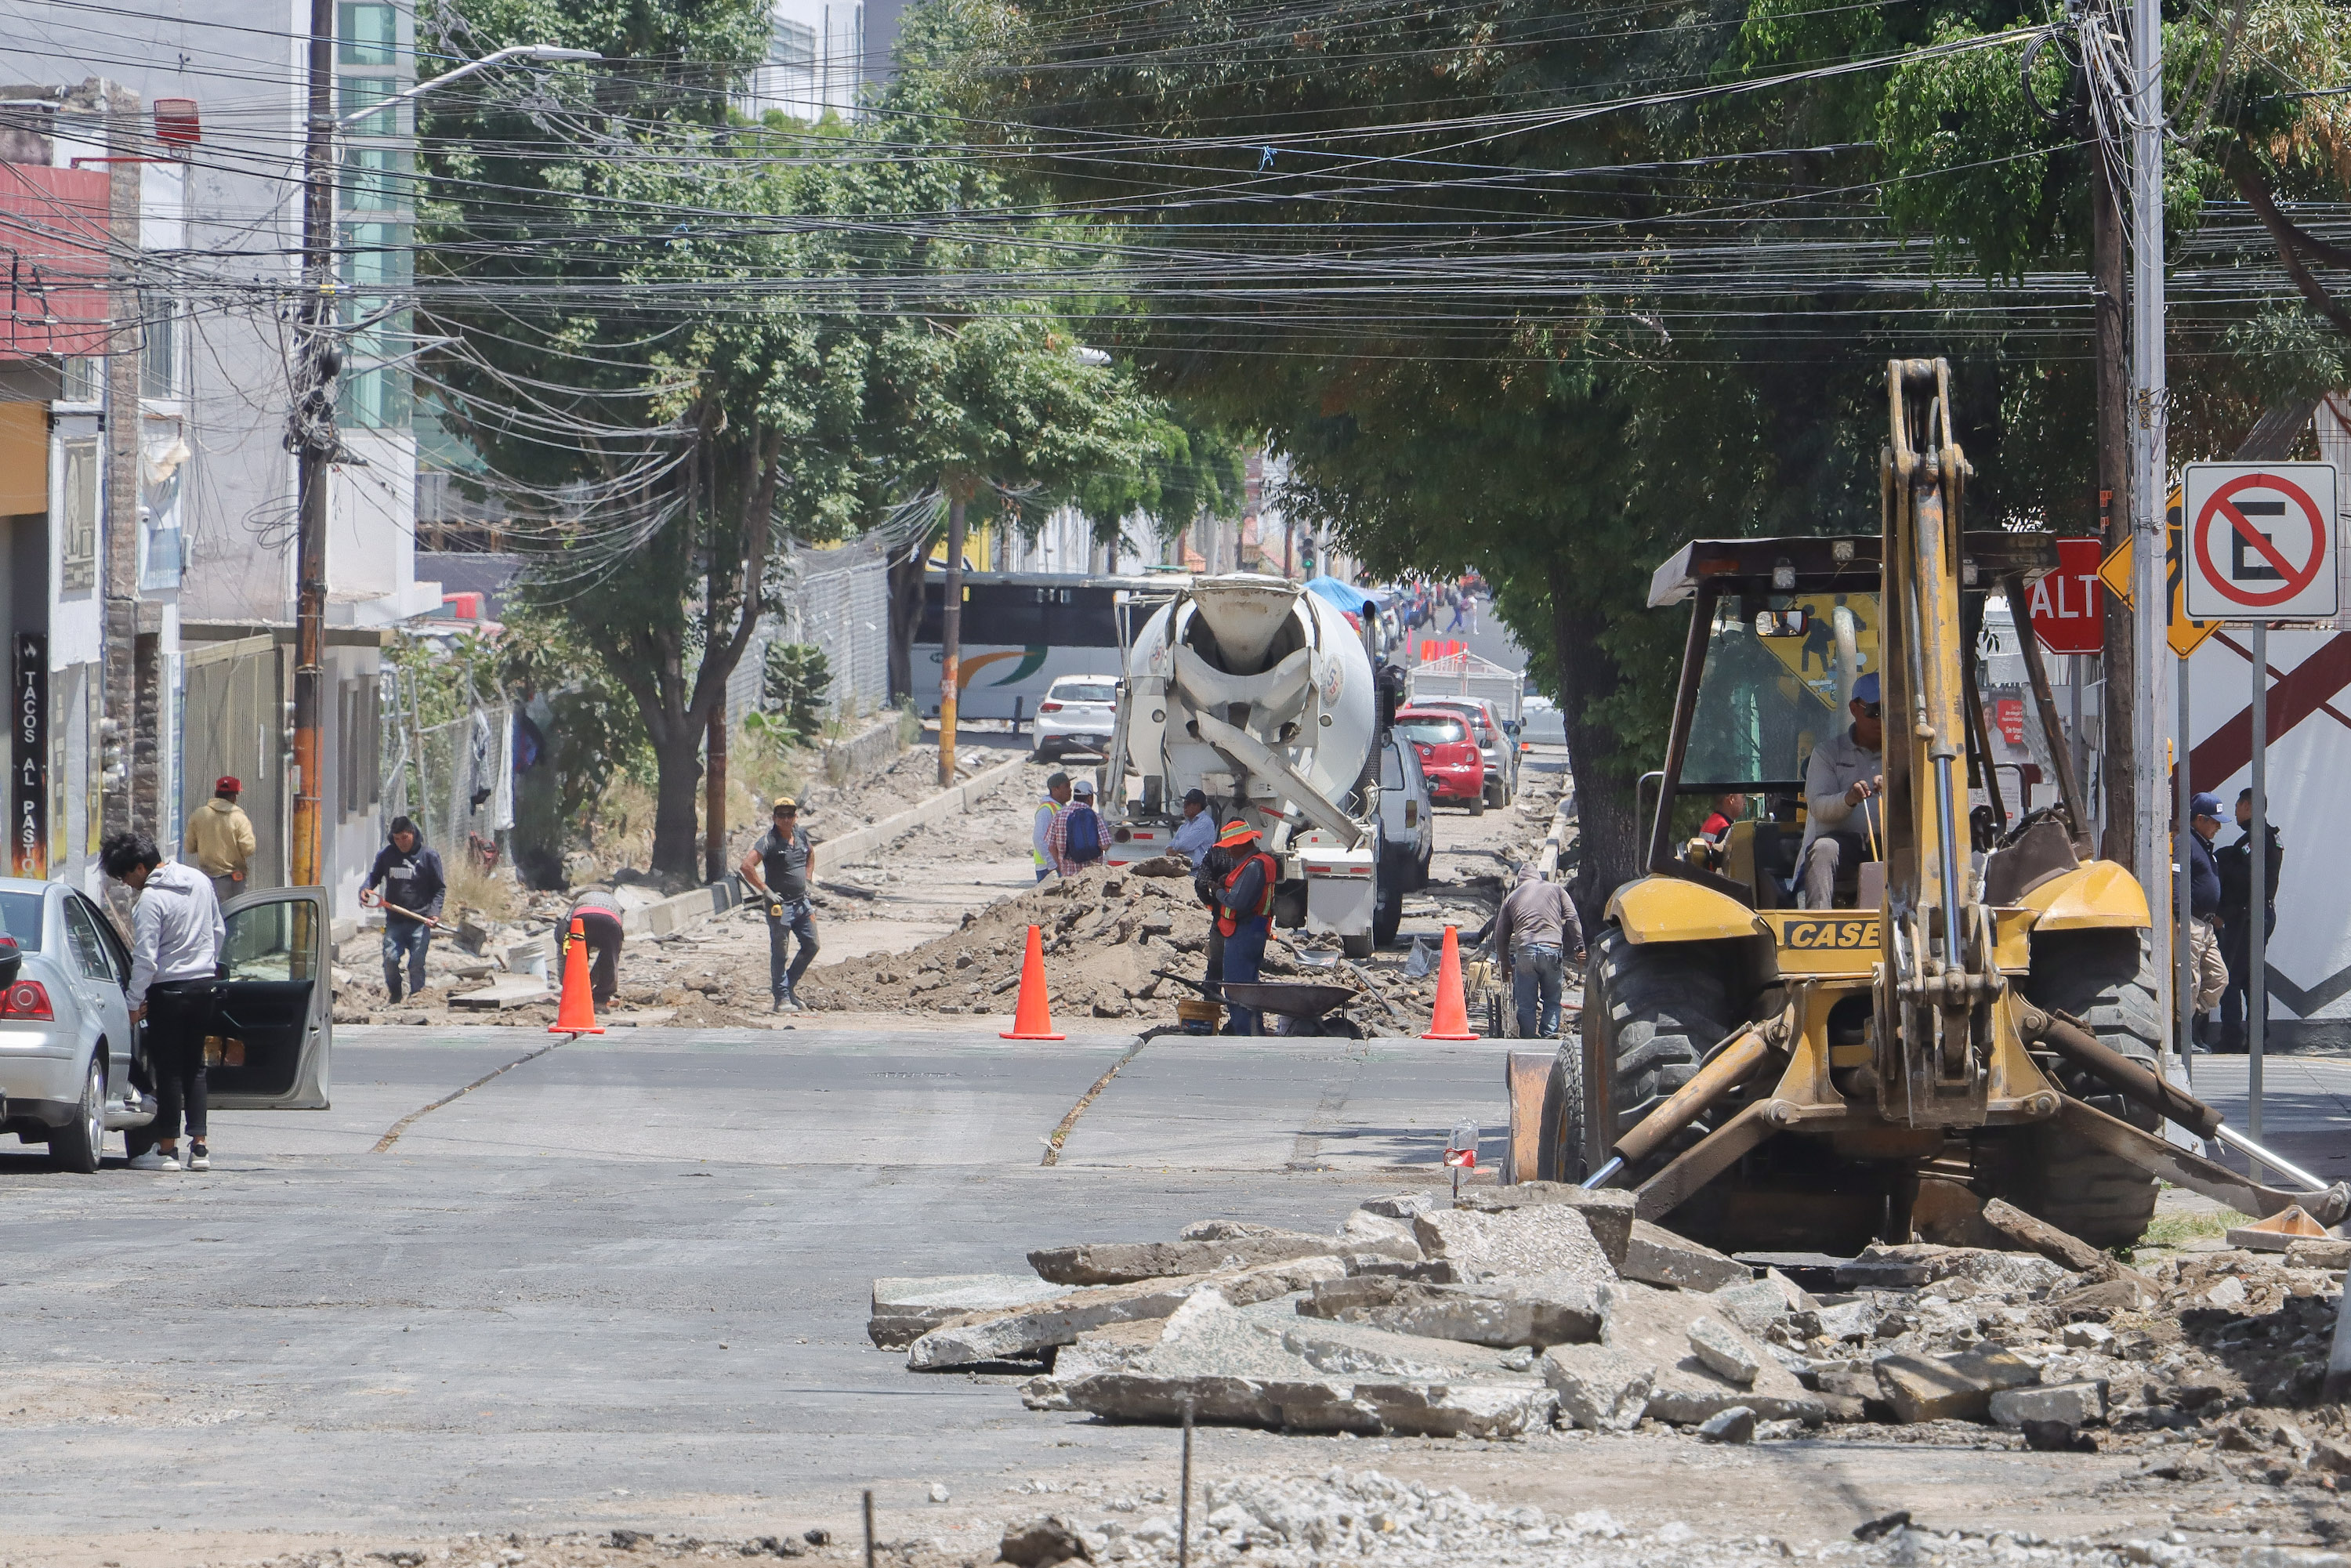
(840,600)
(455,778)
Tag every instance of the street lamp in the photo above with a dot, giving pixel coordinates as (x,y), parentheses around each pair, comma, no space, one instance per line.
(311,424)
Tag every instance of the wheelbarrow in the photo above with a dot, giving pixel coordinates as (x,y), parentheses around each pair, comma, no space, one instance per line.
(1315,1006)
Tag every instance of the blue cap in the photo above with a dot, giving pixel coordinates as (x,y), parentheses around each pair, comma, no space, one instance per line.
(2205,805)
(1865,690)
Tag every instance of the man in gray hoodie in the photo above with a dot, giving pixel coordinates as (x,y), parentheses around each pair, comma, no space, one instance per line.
(175,943)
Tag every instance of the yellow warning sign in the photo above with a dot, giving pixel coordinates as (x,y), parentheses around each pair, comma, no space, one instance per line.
(2184,635)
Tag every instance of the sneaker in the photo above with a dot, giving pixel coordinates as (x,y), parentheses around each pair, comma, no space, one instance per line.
(154,1161)
(199,1158)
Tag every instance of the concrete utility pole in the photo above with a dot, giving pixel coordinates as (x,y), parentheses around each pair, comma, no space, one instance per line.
(2110,296)
(318,362)
(2149,418)
(951,638)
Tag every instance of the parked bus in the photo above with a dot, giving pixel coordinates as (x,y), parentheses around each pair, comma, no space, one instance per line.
(1023,631)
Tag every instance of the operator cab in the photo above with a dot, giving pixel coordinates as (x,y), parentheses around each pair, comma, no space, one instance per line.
(1782,630)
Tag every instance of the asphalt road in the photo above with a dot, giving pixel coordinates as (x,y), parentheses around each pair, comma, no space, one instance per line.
(624,1284)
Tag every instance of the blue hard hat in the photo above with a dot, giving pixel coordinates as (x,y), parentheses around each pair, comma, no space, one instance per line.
(2205,805)
(1865,690)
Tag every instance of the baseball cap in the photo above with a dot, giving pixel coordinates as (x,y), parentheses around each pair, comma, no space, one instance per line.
(2205,805)
(786,803)
(1865,690)
(224,785)
(1196,798)
(1235,832)
(1083,787)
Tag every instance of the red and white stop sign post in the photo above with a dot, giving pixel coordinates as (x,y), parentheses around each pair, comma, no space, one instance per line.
(2259,542)
(2068,612)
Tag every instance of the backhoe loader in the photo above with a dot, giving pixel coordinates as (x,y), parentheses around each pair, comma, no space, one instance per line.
(1973,1014)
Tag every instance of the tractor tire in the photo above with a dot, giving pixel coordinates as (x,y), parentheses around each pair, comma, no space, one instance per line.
(2107,980)
(1651,1013)
(1562,1113)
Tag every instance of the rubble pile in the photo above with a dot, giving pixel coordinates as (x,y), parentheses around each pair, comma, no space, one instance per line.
(1541,1306)
(1106,933)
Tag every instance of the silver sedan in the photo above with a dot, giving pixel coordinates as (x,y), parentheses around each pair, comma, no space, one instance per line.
(65,1040)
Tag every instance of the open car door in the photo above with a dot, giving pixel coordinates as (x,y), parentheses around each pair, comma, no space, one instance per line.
(275,1019)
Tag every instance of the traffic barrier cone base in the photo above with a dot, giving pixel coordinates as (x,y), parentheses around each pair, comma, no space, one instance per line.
(1033,1018)
(1449,1018)
(575,1012)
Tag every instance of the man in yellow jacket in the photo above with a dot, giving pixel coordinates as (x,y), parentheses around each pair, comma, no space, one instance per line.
(220,838)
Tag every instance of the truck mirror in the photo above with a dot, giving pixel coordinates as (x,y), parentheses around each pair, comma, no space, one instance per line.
(1792,622)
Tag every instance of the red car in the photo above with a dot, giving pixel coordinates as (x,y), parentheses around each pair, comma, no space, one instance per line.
(1449,756)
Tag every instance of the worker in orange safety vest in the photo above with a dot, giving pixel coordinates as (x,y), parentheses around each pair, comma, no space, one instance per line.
(1245,915)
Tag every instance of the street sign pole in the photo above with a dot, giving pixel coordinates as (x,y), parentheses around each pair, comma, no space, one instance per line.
(2183,967)
(2149,417)
(2257,979)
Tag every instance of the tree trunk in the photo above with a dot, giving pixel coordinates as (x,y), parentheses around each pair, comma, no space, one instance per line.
(677,758)
(905,619)
(1607,812)
(714,799)
(2110,314)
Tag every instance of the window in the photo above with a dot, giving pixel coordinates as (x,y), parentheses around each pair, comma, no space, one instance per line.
(20,917)
(273,941)
(1432,731)
(85,380)
(375,180)
(358,752)
(79,497)
(1082,692)
(356,95)
(88,948)
(375,258)
(159,348)
(370,33)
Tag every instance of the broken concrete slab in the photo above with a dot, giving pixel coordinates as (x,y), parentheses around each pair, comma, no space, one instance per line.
(1656,1256)
(2034,1234)
(1228,1231)
(1400,1206)
(1725,1351)
(1753,1305)
(904,1310)
(1958,1271)
(2318,1252)
(1548,1239)
(2073,1404)
(1362,1223)
(1230,1368)
(1608,1212)
(979,1337)
(1536,1314)
(1130,1262)
(1736,1424)
(1358,1350)
(509,991)
(1599,1389)
(1042,1543)
(1950,1387)
(1654,1325)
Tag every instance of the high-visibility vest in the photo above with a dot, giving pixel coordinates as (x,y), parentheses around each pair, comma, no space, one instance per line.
(1228,922)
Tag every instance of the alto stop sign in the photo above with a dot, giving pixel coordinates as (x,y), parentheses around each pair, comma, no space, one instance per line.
(2259,540)
(2068,610)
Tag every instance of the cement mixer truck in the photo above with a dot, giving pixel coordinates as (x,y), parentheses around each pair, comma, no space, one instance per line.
(1262,697)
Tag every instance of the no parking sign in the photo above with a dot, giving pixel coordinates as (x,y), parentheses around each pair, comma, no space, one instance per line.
(2261,541)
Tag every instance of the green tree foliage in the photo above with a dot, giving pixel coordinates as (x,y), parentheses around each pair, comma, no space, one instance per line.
(792,687)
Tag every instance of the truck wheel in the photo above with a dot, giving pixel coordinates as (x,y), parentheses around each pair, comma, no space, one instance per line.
(1387,894)
(2107,980)
(1650,1013)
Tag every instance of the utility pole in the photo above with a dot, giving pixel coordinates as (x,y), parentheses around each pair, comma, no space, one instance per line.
(951,638)
(313,438)
(2110,295)
(2149,417)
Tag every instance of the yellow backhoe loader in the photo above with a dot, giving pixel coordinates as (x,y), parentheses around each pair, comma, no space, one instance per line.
(1972,1014)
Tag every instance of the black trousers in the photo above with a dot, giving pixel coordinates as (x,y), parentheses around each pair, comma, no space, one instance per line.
(179,1014)
(602,932)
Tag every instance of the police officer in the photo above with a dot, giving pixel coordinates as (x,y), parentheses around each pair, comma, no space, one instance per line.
(780,867)
(2236,865)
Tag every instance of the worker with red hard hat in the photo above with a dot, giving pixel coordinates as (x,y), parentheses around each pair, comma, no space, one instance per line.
(1245,913)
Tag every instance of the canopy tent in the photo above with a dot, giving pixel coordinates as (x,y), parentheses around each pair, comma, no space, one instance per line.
(1347,597)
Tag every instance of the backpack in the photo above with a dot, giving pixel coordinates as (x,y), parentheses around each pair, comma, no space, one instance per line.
(1085,845)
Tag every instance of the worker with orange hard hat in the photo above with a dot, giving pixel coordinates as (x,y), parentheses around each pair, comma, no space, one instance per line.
(1245,913)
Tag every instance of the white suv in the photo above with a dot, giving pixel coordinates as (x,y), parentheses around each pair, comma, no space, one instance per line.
(1077,715)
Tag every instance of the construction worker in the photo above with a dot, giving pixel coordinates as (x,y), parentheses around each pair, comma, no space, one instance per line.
(1848,772)
(1196,833)
(599,914)
(1535,932)
(2203,907)
(1245,913)
(220,838)
(1057,795)
(413,886)
(780,867)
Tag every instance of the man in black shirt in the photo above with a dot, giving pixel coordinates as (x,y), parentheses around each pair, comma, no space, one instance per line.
(779,866)
(2236,867)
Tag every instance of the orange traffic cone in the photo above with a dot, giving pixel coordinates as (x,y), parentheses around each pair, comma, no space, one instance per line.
(1033,1019)
(1450,1018)
(575,1013)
